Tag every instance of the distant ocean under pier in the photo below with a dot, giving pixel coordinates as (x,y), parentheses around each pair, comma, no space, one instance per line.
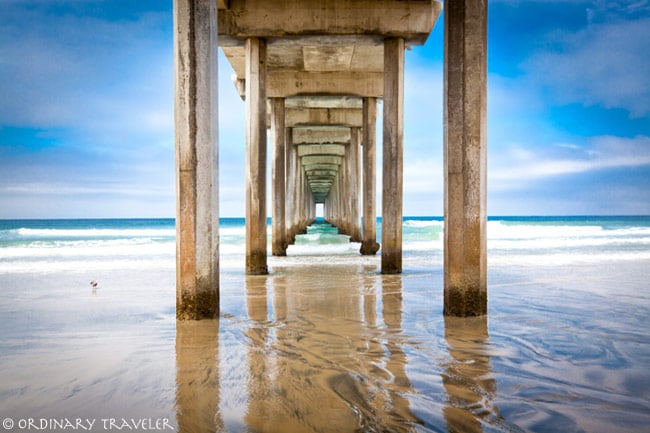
(325,342)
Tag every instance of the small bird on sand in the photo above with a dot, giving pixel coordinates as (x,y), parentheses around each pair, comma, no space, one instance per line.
(94,284)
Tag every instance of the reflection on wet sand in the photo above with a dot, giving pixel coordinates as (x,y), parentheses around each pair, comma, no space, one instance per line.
(467,377)
(323,349)
(197,376)
(322,363)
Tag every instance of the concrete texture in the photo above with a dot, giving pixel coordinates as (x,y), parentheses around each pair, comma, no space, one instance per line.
(195,114)
(465,137)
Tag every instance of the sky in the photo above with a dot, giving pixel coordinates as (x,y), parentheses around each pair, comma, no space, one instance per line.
(86,111)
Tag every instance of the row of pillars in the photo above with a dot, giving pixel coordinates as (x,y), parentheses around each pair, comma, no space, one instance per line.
(342,204)
(341,208)
(197,219)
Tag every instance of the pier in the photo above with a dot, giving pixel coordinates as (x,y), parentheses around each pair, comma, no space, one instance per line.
(313,72)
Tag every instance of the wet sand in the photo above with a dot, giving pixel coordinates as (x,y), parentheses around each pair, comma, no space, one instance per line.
(327,344)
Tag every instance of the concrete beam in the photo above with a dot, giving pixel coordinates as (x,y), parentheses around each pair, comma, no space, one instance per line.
(324,102)
(291,83)
(465,155)
(323,135)
(287,83)
(410,19)
(196,147)
(330,167)
(320,172)
(350,117)
(321,160)
(321,149)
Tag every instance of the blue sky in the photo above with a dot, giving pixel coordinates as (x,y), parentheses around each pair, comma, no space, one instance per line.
(86,119)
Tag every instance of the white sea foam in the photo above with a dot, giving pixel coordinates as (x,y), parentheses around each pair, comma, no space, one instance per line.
(232,231)
(88,250)
(95,233)
(79,264)
(562,242)
(501,230)
(433,245)
(425,223)
(566,258)
(347,248)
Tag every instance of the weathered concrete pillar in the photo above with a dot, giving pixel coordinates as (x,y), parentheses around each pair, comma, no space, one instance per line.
(341,205)
(369,245)
(304,208)
(465,136)
(295,196)
(344,184)
(195,118)
(354,160)
(391,239)
(289,202)
(256,157)
(279,229)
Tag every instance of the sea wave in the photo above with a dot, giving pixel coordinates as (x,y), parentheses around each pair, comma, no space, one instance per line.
(95,233)
(423,223)
(501,230)
(88,250)
(85,265)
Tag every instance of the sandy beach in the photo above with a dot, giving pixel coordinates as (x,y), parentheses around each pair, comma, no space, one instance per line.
(327,344)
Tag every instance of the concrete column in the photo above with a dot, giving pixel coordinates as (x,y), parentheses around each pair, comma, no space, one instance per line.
(256,157)
(369,141)
(355,217)
(341,202)
(299,199)
(195,119)
(465,158)
(304,201)
(278,132)
(391,247)
(288,148)
(295,196)
(344,183)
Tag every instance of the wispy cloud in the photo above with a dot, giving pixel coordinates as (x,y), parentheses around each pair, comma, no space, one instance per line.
(601,64)
(84,72)
(521,164)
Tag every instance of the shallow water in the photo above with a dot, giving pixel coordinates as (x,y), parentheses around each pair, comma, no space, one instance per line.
(327,344)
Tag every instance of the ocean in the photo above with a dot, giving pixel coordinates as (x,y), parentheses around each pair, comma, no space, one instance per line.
(325,343)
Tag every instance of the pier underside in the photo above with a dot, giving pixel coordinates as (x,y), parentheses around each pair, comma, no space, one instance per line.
(313,73)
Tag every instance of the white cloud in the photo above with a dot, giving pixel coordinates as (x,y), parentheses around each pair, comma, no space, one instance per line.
(65,71)
(62,189)
(602,64)
(519,165)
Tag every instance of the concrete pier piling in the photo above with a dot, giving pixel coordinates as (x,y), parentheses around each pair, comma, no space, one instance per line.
(320,73)
(369,245)
(195,118)
(256,156)
(465,158)
(391,229)
(279,230)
